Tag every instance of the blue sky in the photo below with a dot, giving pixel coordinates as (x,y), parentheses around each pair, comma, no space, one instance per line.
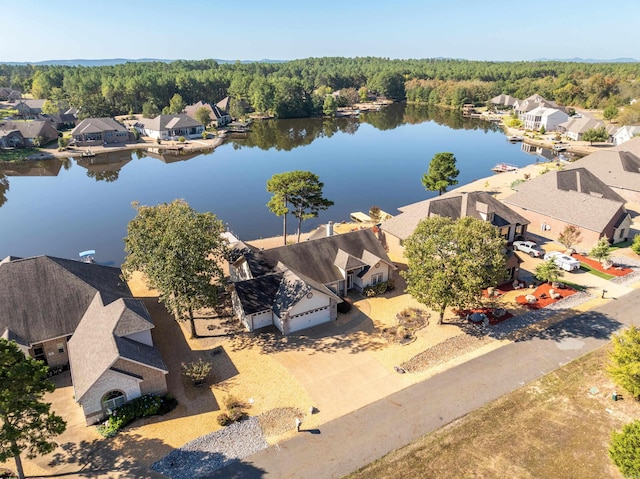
(284,30)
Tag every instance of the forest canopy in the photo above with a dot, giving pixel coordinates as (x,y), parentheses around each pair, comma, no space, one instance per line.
(298,88)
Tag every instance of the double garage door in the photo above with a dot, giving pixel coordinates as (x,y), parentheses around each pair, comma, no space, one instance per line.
(309,319)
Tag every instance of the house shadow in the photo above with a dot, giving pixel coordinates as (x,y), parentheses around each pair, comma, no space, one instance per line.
(169,339)
(574,325)
(122,453)
(354,331)
(204,464)
(237,470)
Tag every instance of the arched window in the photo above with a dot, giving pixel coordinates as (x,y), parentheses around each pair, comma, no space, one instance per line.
(113,399)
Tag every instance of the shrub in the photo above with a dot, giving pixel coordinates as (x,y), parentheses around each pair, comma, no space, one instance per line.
(601,250)
(144,406)
(635,246)
(197,371)
(232,402)
(181,139)
(224,419)
(236,414)
(570,236)
(624,448)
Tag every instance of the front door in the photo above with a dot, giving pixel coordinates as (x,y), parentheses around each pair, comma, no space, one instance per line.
(349,281)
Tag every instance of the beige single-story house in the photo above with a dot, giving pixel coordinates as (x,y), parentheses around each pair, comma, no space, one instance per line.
(574,128)
(619,170)
(216,114)
(298,286)
(169,127)
(477,204)
(99,132)
(574,196)
(82,315)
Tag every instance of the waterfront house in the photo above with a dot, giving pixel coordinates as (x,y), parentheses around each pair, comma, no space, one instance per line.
(11,139)
(541,116)
(625,133)
(82,315)
(574,196)
(619,170)
(299,286)
(217,115)
(477,204)
(504,101)
(534,101)
(574,128)
(100,132)
(36,132)
(169,127)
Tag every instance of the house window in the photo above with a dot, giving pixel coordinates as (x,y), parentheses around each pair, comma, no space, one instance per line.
(60,347)
(505,232)
(376,278)
(113,399)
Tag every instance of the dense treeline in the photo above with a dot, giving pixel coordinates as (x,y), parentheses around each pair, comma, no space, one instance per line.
(298,88)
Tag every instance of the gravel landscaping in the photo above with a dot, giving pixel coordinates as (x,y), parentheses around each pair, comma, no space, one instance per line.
(211,452)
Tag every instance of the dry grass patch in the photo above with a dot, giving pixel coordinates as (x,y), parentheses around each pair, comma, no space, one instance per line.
(557,426)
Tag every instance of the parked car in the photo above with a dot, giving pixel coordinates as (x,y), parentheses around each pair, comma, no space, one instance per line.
(529,247)
(563,261)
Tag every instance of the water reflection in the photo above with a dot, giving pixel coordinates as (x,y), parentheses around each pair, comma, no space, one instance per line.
(4,187)
(285,135)
(105,166)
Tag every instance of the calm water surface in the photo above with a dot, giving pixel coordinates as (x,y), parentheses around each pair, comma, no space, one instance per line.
(62,208)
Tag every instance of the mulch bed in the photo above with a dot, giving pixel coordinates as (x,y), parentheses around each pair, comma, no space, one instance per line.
(613,271)
(463,313)
(542,295)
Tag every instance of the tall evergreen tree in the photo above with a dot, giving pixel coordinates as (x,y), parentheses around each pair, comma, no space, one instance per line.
(442,173)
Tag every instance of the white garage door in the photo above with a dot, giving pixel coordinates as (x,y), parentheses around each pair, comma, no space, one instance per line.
(260,320)
(309,319)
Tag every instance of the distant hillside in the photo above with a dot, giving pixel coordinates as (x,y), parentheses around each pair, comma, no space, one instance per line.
(588,60)
(118,61)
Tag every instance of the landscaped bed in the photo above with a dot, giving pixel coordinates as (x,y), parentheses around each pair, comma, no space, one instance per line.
(543,296)
(494,315)
(595,264)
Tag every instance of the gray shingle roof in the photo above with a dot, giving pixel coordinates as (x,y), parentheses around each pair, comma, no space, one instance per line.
(580,125)
(45,297)
(32,129)
(452,205)
(573,196)
(97,125)
(167,122)
(619,169)
(98,343)
(258,294)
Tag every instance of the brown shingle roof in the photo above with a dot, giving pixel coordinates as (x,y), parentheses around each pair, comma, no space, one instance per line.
(619,169)
(573,196)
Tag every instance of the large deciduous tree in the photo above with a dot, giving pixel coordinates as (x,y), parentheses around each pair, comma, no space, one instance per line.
(296,192)
(442,173)
(26,422)
(624,361)
(176,104)
(203,116)
(180,252)
(451,261)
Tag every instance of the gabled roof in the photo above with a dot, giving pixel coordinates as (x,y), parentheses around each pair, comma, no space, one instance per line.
(34,104)
(224,103)
(580,125)
(618,169)
(573,196)
(316,257)
(477,204)
(97,125)
(168,122)
(32,129)
(506,100)
(99,341)
(544,111)
(45,297)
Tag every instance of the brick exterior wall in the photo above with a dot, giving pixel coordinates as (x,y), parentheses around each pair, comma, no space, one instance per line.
(54,358)
(154,381)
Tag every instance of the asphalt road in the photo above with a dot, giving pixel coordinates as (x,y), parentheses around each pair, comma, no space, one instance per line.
(352,441)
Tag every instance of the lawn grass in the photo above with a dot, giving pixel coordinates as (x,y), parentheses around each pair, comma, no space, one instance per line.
(6,112)
(17,154)
(599,274)
(553,427)
(624,244)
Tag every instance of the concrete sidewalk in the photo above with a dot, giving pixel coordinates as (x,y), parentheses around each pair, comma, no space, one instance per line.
(354,440)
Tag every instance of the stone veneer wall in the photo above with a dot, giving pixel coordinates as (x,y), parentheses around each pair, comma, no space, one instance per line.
(154,381)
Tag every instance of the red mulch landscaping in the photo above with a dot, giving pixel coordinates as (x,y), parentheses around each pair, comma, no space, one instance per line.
(595,264)
(463,313)
(542,295)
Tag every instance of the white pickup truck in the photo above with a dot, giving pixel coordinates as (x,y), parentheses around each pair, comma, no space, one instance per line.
(529,247)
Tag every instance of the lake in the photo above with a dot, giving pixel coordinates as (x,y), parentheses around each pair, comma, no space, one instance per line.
(60,208)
